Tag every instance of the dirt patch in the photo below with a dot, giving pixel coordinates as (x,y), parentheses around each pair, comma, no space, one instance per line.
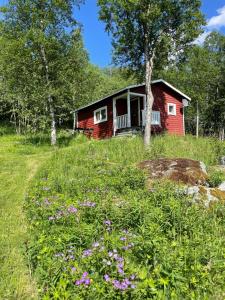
(187,171)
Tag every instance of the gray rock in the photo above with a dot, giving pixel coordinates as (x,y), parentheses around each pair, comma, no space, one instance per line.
(222,160)
(192,190)
(222,187)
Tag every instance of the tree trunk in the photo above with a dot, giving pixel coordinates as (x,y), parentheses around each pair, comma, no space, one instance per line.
(50,99)
(197,121)
(149,100)
(221,134)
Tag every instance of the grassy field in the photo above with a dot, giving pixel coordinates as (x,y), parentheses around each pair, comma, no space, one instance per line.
(88,192)
(18,164)
(96,232)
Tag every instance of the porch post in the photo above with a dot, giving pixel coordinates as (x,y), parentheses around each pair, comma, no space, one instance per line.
(139,112)
(114,117)
(128,110)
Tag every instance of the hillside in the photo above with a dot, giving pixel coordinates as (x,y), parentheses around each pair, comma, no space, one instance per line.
(97,232)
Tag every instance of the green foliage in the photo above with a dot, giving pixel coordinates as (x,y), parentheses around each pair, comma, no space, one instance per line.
(89,211)
(145,30)
(216,177)
(201,76)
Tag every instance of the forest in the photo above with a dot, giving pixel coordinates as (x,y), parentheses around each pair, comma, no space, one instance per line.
(46,72)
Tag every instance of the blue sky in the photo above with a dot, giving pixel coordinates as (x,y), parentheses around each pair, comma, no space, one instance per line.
(98,43)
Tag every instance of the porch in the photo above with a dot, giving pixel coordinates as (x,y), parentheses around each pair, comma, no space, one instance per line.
(129,111)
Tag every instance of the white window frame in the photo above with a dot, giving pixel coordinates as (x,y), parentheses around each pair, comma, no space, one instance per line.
(174,113)
(99,110)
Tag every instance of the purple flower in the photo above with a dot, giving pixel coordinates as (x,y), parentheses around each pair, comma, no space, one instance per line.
(96,245)
(87,281)
(87,253)
(133,286)
(71,209)
(87,204)
(120,265)
(85,274)
(78,282)
(132,277)
(110,254)
(121,271)
(123,238)
(107,278)
(107,222)
(73,269)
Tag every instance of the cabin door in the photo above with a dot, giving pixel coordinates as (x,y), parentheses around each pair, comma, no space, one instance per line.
(134,112)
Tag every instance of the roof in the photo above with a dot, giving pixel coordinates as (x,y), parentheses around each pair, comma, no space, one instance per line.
(135,86)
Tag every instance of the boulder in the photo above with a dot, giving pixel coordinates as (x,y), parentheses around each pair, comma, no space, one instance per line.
(222,187)
(187,171)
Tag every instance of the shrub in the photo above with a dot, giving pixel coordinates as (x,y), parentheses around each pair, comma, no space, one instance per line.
(216,177)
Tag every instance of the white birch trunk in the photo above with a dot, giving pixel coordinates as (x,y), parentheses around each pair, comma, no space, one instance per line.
(197,121)
(50,99)
(149,100)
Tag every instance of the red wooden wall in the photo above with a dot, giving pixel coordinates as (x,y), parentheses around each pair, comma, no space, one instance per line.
(162,96)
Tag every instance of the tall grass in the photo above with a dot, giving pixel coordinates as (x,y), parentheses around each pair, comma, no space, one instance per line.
(90,201)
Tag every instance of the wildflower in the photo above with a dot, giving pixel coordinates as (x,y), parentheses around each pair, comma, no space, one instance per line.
(73,269)
(87,281)
(123,238)
(107,278)
(51,218)
(108,223)
(79,282)
(132,277)
(110,254)
(87,253)
(72,209)
(96,245)
(87,204)
(46,202)
(85,274)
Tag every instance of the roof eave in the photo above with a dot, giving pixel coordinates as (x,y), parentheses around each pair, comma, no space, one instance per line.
(135,86)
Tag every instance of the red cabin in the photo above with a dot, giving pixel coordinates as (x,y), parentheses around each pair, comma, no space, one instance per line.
(123,112)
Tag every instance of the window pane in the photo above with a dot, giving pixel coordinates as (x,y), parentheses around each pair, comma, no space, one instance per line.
(171,109)
(98,116)
(103,113)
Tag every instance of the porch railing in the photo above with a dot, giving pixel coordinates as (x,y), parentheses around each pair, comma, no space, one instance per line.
(121,121)
(155,118)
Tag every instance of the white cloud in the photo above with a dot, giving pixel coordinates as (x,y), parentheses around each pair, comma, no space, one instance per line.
(217,22)
(213,23)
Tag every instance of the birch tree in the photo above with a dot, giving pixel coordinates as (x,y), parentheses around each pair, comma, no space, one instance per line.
(145,31)
(42,35)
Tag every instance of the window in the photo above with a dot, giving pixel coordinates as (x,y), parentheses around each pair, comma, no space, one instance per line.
(156,118)
(100,115)
(172,109)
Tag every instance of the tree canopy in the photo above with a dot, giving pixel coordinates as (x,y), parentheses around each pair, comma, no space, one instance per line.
(147,31)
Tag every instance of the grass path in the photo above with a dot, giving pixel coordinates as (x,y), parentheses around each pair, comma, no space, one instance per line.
(18,164)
